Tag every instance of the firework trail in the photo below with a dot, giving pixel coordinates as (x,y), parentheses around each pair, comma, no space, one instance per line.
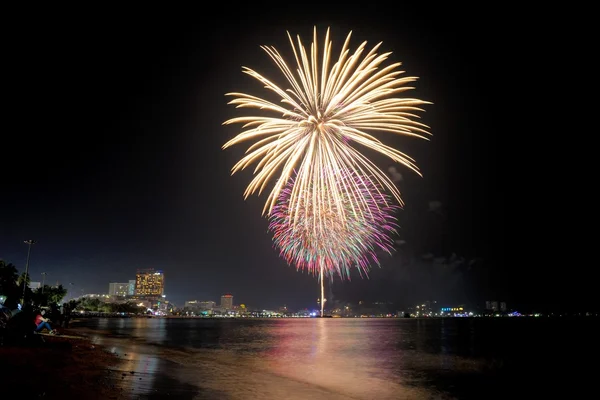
(328,240)
(327,109)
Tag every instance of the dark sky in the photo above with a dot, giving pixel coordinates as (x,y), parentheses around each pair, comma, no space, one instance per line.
(113,158)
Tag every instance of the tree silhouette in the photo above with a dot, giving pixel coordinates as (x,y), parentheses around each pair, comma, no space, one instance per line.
(49,295)
(8,284)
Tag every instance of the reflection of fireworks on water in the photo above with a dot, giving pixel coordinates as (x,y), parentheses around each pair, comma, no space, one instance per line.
(328,107)
(328,237)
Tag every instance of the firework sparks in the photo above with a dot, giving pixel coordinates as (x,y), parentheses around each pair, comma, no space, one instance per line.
(329,107)
(323,241)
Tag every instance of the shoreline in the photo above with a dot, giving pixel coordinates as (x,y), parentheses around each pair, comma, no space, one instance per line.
(61,368)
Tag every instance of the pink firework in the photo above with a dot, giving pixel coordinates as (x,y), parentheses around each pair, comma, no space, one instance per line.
(328,239)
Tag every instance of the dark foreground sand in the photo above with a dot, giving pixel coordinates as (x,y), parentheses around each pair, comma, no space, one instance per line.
(62,368)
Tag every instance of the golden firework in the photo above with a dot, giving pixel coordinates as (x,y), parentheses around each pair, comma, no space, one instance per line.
(327,110)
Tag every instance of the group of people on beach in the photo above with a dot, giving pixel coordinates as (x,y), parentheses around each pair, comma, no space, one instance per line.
(18,324)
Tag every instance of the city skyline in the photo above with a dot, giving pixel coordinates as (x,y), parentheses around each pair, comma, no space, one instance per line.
(425,308)
(125,291)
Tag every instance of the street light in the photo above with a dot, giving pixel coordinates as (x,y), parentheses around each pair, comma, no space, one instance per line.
(29,242)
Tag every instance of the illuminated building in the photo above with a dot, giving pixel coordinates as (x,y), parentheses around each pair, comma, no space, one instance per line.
(227,301)
(149,282)
(118,289)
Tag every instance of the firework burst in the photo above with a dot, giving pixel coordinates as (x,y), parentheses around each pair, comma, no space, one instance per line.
(324,242)
(327,108)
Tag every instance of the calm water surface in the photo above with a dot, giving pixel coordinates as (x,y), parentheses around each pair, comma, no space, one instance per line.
(351,358)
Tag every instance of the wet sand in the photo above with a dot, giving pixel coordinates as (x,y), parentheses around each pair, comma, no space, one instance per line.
(69,368)
(149,370)
(297,360)
(61,367)
(104,365)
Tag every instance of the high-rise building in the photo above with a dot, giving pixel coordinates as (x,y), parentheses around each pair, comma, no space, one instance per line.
(149,282)
(227,301)
(131,290)
(118,289)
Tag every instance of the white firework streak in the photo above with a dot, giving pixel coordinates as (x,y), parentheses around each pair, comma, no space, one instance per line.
(321,115)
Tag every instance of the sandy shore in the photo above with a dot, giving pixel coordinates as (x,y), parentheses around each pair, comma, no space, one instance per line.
(64,368)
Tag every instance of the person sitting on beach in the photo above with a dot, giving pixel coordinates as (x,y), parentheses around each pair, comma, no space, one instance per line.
(41,323)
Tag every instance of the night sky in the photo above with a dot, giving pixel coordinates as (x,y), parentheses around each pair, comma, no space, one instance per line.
(113,160)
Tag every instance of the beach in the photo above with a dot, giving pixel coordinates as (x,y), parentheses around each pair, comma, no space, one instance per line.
(61,368)
(297,359)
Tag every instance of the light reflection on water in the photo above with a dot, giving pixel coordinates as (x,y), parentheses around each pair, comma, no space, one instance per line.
(351,362)
(318,358)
